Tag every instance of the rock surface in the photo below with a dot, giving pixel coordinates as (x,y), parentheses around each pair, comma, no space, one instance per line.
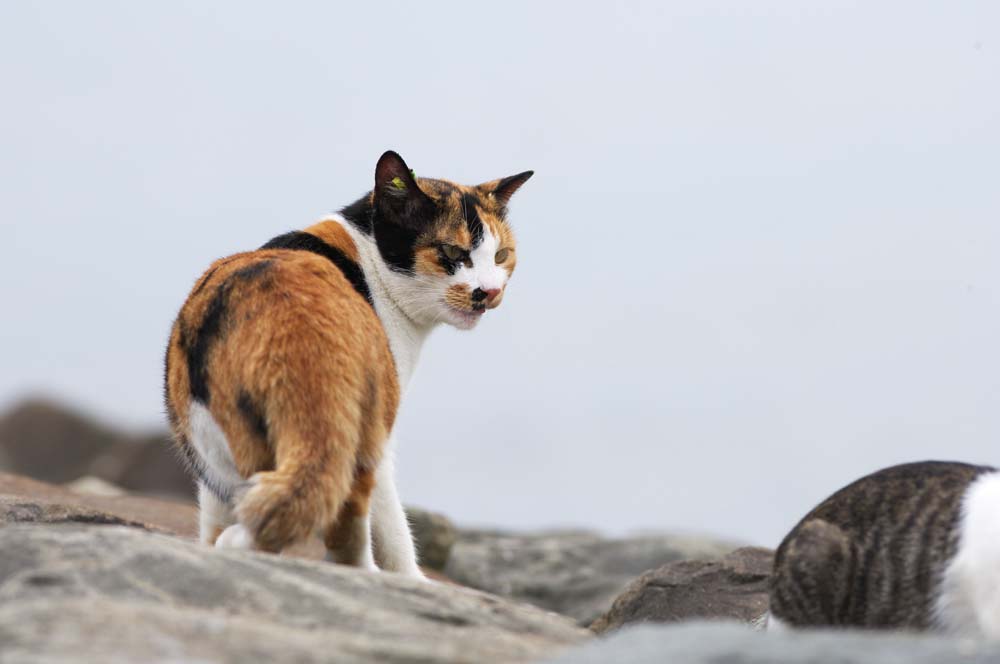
(725,643)
(103,593)
(574,573)
(733,587)
(26,500)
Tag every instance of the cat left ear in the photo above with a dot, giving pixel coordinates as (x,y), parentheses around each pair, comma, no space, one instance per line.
(504,188)
(396,191)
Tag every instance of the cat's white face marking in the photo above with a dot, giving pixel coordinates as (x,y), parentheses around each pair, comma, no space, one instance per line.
(484,273)
(969,598)
(483,276)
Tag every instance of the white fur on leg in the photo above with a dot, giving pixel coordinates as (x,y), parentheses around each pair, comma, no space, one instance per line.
(366,557)
(969,599)
(391,531)
(235,537)
(213,515)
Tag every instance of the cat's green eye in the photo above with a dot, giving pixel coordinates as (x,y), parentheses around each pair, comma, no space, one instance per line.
(502,255)
(452,252)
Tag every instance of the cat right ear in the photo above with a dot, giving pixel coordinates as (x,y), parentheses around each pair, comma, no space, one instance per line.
(396,192)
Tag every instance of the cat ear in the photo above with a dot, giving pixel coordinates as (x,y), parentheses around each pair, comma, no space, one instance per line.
(504,188)
(396,191)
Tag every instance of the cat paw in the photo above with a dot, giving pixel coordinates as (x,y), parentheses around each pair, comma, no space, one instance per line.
(235,537)
(417,575)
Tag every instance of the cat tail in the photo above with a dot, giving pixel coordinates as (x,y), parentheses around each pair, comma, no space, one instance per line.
(302,495)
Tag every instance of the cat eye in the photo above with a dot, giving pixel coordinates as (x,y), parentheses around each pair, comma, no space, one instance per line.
(453,253)
(501,255)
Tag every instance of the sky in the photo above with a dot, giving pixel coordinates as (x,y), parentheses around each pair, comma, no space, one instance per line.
(758,258)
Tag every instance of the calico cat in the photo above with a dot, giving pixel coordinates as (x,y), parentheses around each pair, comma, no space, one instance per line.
(285,364)
(915,546)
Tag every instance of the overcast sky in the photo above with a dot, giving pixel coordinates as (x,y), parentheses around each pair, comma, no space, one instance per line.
(758,259)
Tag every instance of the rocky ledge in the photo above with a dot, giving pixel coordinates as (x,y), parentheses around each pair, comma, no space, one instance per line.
(84,593)
(733,587)
(575,573)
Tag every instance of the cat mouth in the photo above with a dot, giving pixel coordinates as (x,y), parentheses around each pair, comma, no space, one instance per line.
(468,315)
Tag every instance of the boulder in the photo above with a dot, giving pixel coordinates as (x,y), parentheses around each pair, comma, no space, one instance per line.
(53,443)
(77,593)
(733,587)
(574,573)
(718,643)
(434,535)
(42,439)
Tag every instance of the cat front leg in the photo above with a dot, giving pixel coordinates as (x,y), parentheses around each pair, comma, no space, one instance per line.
(394,547)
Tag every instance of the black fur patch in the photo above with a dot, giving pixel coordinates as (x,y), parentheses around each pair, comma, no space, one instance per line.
(302,241)
(470,205)
(211,328)
(254,417)
(396,245)
(360,214)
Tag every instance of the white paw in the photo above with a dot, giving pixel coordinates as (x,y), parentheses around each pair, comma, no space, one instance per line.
(235,537)
(416,574)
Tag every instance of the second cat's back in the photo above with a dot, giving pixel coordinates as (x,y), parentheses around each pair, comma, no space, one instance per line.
(875,553)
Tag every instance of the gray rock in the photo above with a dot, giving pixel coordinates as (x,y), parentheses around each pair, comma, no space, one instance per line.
(728,643)
(574,573)
(104,593)
(733,587)
(16,510)
(26,500)
(434,535)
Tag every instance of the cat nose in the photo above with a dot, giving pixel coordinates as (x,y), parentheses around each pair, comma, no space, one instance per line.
(488,294)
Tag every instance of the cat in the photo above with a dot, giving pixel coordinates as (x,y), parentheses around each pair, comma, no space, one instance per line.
(915,546)
(285,364)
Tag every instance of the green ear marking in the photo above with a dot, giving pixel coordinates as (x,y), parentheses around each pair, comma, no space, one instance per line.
(398,183)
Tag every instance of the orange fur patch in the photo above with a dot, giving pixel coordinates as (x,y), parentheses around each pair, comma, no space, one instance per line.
(458,296)
(335,235)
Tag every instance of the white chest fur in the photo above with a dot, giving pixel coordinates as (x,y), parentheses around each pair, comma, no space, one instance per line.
(406,337)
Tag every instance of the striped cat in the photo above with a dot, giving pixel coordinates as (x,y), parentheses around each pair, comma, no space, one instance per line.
(285,365)
(915,546)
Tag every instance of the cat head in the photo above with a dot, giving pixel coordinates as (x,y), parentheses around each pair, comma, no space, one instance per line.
(448,247)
